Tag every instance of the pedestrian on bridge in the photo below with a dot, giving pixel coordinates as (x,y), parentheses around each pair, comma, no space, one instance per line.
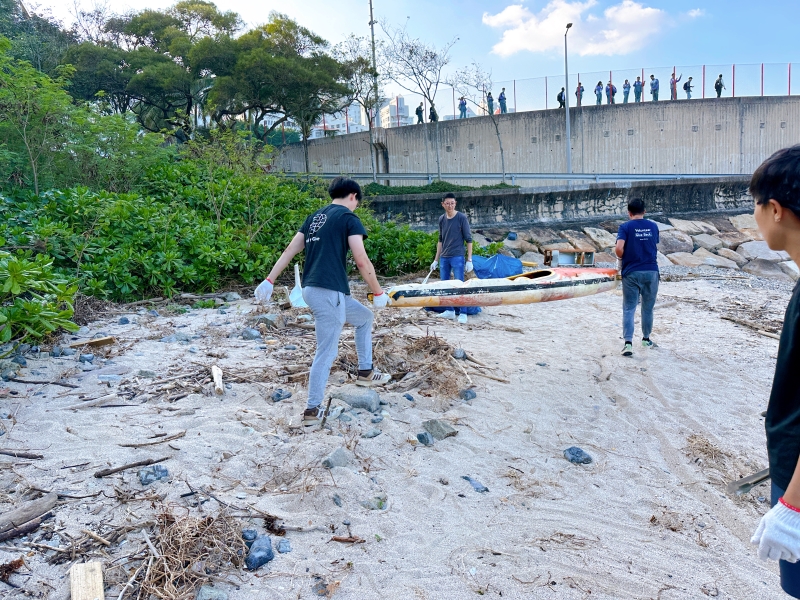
(673,86)
(462,108)
(598,91)
(420,114)
(719,85)
(560,98)
(637,90)
(687,87)
(654,87)
(433,116)
(611,91)
(626,90)
(490,103)
(502,99)
(579,93)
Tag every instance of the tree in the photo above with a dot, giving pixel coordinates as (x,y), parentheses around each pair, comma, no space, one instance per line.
(415,66)
(355,54)
(472,83)
(39,39)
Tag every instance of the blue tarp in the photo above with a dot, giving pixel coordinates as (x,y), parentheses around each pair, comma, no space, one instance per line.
(496,267)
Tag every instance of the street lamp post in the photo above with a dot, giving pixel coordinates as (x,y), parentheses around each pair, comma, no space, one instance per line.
(566,100)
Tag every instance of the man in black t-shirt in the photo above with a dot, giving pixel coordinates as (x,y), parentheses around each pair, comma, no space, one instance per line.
(326,236)
(776,188)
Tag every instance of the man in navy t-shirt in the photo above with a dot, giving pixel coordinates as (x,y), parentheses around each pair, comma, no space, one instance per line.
(637,246)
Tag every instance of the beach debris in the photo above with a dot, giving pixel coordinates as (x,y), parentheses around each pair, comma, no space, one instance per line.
(251,334)
(27,517)
(325,590)
(176,337)
(260,553)
(378,502)
(231,297)
(152,474)
(350,539)
(460,354)
(86,581)
(284,546)
(745,484)
(95,343)
(337,499)
(210,593)
(124,321)
(425,438)
(280,394)
(152,313)
(290,347)
(140,463)
(146,374)
(374,432)
(541,364)
(86,358)
(22,453)
(358,397)
(338,458)
(249,536)
(6,569)
(439,429)
(216,374)
(476,485)
(444,481)
(408,397)
(577,456)
(467,395)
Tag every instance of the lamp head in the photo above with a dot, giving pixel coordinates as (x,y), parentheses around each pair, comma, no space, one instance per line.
(569,25)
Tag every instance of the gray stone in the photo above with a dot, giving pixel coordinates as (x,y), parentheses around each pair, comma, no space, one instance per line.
(579,240)
(377,419)
(577,456)
(337,500)
(766,268)
(8,368)
(532,257)
(467,394)
(20,360)
(663,226)
(338,458)
(358,397)
(707,241)
(480,240)
(439,429)
(271,321)
(754,250)
(210,593)
(684,259)
(519,247)
(612,226)
(693,227)
(280,394)
(83,331)
(732,255)
(743,222)
(733,239)
(378,502)
(662,260)
(231,297)
(714,260)
(68,352)
(249,536)
(152,313)
(176,337)
(408,397)
(86,358)
(109,378)
(601,238)
(290,347)
(124,321)
(476,485)
(56,351)
(284,546)
(425,438)
(260,553)
(374,432)
(674,241)
(251,334)
(460,354)
(149,475)
(790,268)
(146,374)
(345,418)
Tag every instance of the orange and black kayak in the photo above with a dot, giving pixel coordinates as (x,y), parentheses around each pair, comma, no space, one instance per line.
(545,285)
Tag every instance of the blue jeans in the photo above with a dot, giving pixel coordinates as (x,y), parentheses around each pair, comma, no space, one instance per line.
(452,265)
(637,96)
(790,572)
(634,285)
(462,113)
(625,97)
(503,108)
(599,99)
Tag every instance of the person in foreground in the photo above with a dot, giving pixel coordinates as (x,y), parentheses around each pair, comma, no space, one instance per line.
(326,237)
(637,246)
(776,188)
(454,234)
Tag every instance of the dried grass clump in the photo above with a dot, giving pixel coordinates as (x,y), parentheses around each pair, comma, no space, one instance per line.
(192,550)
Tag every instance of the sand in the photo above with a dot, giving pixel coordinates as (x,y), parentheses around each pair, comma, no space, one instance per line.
(649,518)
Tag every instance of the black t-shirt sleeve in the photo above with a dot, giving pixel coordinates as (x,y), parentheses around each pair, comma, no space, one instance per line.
(304,227)
(354,226)
(465,232)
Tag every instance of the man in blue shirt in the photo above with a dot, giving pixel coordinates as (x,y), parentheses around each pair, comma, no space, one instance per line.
(654,88)
(502,100)
(579,93)
(611,91)
(637,247)
(637,90)
(598,92)
(626,90)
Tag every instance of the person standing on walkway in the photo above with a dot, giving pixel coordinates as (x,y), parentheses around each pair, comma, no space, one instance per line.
(637,242)
(490,103)
(688,87)
(774,187)
(433,116)
(626,90)
(326,236)
(420,114)
(579,94)
(673,86)
(637,90)
(462,108)
(611,91)
(560,98)
(719,85)
(454,235)
(502,99)
(598,91)
(654,87)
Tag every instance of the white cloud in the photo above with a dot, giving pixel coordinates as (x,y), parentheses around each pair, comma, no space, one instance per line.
(623,28)
(696,12)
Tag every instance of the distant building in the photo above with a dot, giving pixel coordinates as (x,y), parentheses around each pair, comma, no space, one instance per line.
(470,114)
(394,113)
(347,121)
(483,109)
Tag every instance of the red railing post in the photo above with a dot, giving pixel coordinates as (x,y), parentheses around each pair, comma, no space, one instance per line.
(733,81)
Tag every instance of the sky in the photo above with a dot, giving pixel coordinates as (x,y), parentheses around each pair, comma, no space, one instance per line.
(521,39)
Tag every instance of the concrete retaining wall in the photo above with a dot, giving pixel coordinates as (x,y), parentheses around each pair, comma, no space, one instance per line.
(715,136)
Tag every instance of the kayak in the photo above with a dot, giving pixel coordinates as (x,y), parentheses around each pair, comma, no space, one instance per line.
(545,285)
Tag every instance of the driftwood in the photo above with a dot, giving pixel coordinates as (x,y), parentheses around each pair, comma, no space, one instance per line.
(21,454)
(25,529)
(174,436)
(62,384)
(96,343)
(141,463)
(27,517)
(86,581)
(216,373)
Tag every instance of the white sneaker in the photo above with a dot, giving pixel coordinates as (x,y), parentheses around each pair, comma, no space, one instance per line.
(449,314)
(462,318)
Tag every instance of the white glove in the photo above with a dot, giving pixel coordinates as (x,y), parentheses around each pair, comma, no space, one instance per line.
(468,268)
(380,300)
(264,291)
(778,535)
(434,265)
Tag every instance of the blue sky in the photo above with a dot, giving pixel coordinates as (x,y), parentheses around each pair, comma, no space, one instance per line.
(518,39)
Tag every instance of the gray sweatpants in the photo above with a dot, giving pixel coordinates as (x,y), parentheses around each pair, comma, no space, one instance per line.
(331,311)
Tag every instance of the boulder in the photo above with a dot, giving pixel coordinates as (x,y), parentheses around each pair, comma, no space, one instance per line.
(533,257)
(338,458)
(760,250)
(358,397)
(747,224)
(663,261)
(733,239)
(600,237)
(684,259)
(480,240)
(663,226)
(693,227)
(562,246)
(540,235)
(713,260)
(612,225)
(210,593)
(519,247)
(766,268)
(732,255)
(674,241)
(579,240)
(723,224)
(707,242)
(790,268)
(604,257)
(506,252)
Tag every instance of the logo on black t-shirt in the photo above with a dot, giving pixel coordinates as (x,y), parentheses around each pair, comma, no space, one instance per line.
(317,222)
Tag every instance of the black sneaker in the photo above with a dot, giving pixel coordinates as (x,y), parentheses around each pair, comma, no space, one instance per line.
(627,350)
(313,416)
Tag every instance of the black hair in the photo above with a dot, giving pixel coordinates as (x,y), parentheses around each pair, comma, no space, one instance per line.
(342,187)
(778,178)
(636,206)
(449,195)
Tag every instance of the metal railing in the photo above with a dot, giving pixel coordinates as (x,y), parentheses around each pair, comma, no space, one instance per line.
(513,177)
